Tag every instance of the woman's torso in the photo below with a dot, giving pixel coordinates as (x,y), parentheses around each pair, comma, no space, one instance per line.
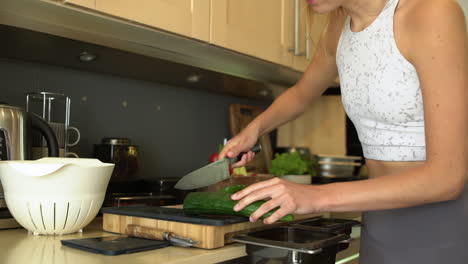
(380,90)
(402,38)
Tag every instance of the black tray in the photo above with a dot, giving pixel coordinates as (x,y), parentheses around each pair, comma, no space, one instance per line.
(174,214)
(114,245)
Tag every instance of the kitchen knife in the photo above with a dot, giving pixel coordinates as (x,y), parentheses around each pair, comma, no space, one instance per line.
(154,233)
(211,173)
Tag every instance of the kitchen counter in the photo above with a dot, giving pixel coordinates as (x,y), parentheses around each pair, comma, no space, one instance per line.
(18,247)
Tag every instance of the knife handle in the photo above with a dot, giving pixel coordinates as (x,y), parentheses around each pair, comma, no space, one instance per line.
(256,149)
(145,232)
(133,230)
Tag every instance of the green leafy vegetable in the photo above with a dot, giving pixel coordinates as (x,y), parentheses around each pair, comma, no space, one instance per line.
(291,163)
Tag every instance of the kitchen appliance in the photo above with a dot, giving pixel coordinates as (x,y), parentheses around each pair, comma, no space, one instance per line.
(16,126)
(143,191)
(212,173)
(122,153)
(55,196)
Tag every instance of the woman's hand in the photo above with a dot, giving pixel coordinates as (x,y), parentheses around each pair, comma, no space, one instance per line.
(243,141)
(290,197)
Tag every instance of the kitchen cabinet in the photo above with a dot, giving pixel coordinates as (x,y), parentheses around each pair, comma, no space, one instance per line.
(322,128)
(267,29)
(82,3)
(189,18)
(264,29)
(255,28)
(276,31)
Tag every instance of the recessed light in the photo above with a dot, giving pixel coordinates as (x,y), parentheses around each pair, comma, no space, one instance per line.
(263,92)
(87,56)
(193,78)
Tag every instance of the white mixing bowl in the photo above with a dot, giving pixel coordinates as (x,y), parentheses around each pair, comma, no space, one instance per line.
(55,196)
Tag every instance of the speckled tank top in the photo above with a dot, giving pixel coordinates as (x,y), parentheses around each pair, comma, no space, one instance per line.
(380,91)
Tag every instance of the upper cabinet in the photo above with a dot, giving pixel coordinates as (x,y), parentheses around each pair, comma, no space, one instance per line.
(185,17)
(256,28)
(280,31)
(284,32)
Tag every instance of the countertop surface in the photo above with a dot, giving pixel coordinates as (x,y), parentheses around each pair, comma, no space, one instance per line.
(17,246)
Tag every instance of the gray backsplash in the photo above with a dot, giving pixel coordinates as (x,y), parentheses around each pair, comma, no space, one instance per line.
(176,128)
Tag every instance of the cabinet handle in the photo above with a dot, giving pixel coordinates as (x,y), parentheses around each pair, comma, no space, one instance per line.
(297,19)
(308,37)
(295,50)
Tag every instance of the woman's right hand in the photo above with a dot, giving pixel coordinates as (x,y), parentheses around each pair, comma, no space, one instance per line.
(242,142)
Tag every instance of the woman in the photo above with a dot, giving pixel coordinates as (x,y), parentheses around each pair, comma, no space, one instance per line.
(403,71)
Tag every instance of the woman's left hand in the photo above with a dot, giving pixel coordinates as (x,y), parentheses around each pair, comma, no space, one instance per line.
(288,196)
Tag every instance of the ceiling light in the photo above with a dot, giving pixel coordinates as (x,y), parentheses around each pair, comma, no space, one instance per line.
(193,78)
(87,56)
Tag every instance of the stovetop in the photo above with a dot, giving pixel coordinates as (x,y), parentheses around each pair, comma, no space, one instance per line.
(153,192)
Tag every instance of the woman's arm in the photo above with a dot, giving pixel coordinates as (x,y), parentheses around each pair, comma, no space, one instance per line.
(320,73)
(440,54)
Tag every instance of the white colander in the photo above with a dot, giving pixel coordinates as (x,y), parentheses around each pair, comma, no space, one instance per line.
(55,196)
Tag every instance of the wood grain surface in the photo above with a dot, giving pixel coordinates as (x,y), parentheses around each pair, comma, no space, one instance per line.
(209,237)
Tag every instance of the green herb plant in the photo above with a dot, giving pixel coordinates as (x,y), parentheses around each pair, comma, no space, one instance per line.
(291,163)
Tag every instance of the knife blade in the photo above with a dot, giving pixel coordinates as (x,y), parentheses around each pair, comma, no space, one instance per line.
(211,173)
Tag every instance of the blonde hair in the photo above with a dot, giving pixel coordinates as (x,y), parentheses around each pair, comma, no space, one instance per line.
(327,23)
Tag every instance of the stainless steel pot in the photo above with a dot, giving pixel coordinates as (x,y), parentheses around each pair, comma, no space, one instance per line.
(339,166)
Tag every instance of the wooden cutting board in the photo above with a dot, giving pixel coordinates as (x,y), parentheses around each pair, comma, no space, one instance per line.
(240,116)
(208,236)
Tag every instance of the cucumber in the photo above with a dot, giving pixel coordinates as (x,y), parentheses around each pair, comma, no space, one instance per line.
(234,188)
(221,203)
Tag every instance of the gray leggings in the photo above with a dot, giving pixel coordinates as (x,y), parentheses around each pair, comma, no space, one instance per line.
(429,234)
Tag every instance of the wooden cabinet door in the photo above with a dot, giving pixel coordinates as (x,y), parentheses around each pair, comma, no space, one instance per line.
(322,128)
(311,26)
(185,17)
(317,23)
(255,28)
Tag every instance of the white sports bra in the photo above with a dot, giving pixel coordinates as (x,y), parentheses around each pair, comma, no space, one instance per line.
(381,92)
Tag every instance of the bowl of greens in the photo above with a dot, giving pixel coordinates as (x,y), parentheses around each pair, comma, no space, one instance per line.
(294,166)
